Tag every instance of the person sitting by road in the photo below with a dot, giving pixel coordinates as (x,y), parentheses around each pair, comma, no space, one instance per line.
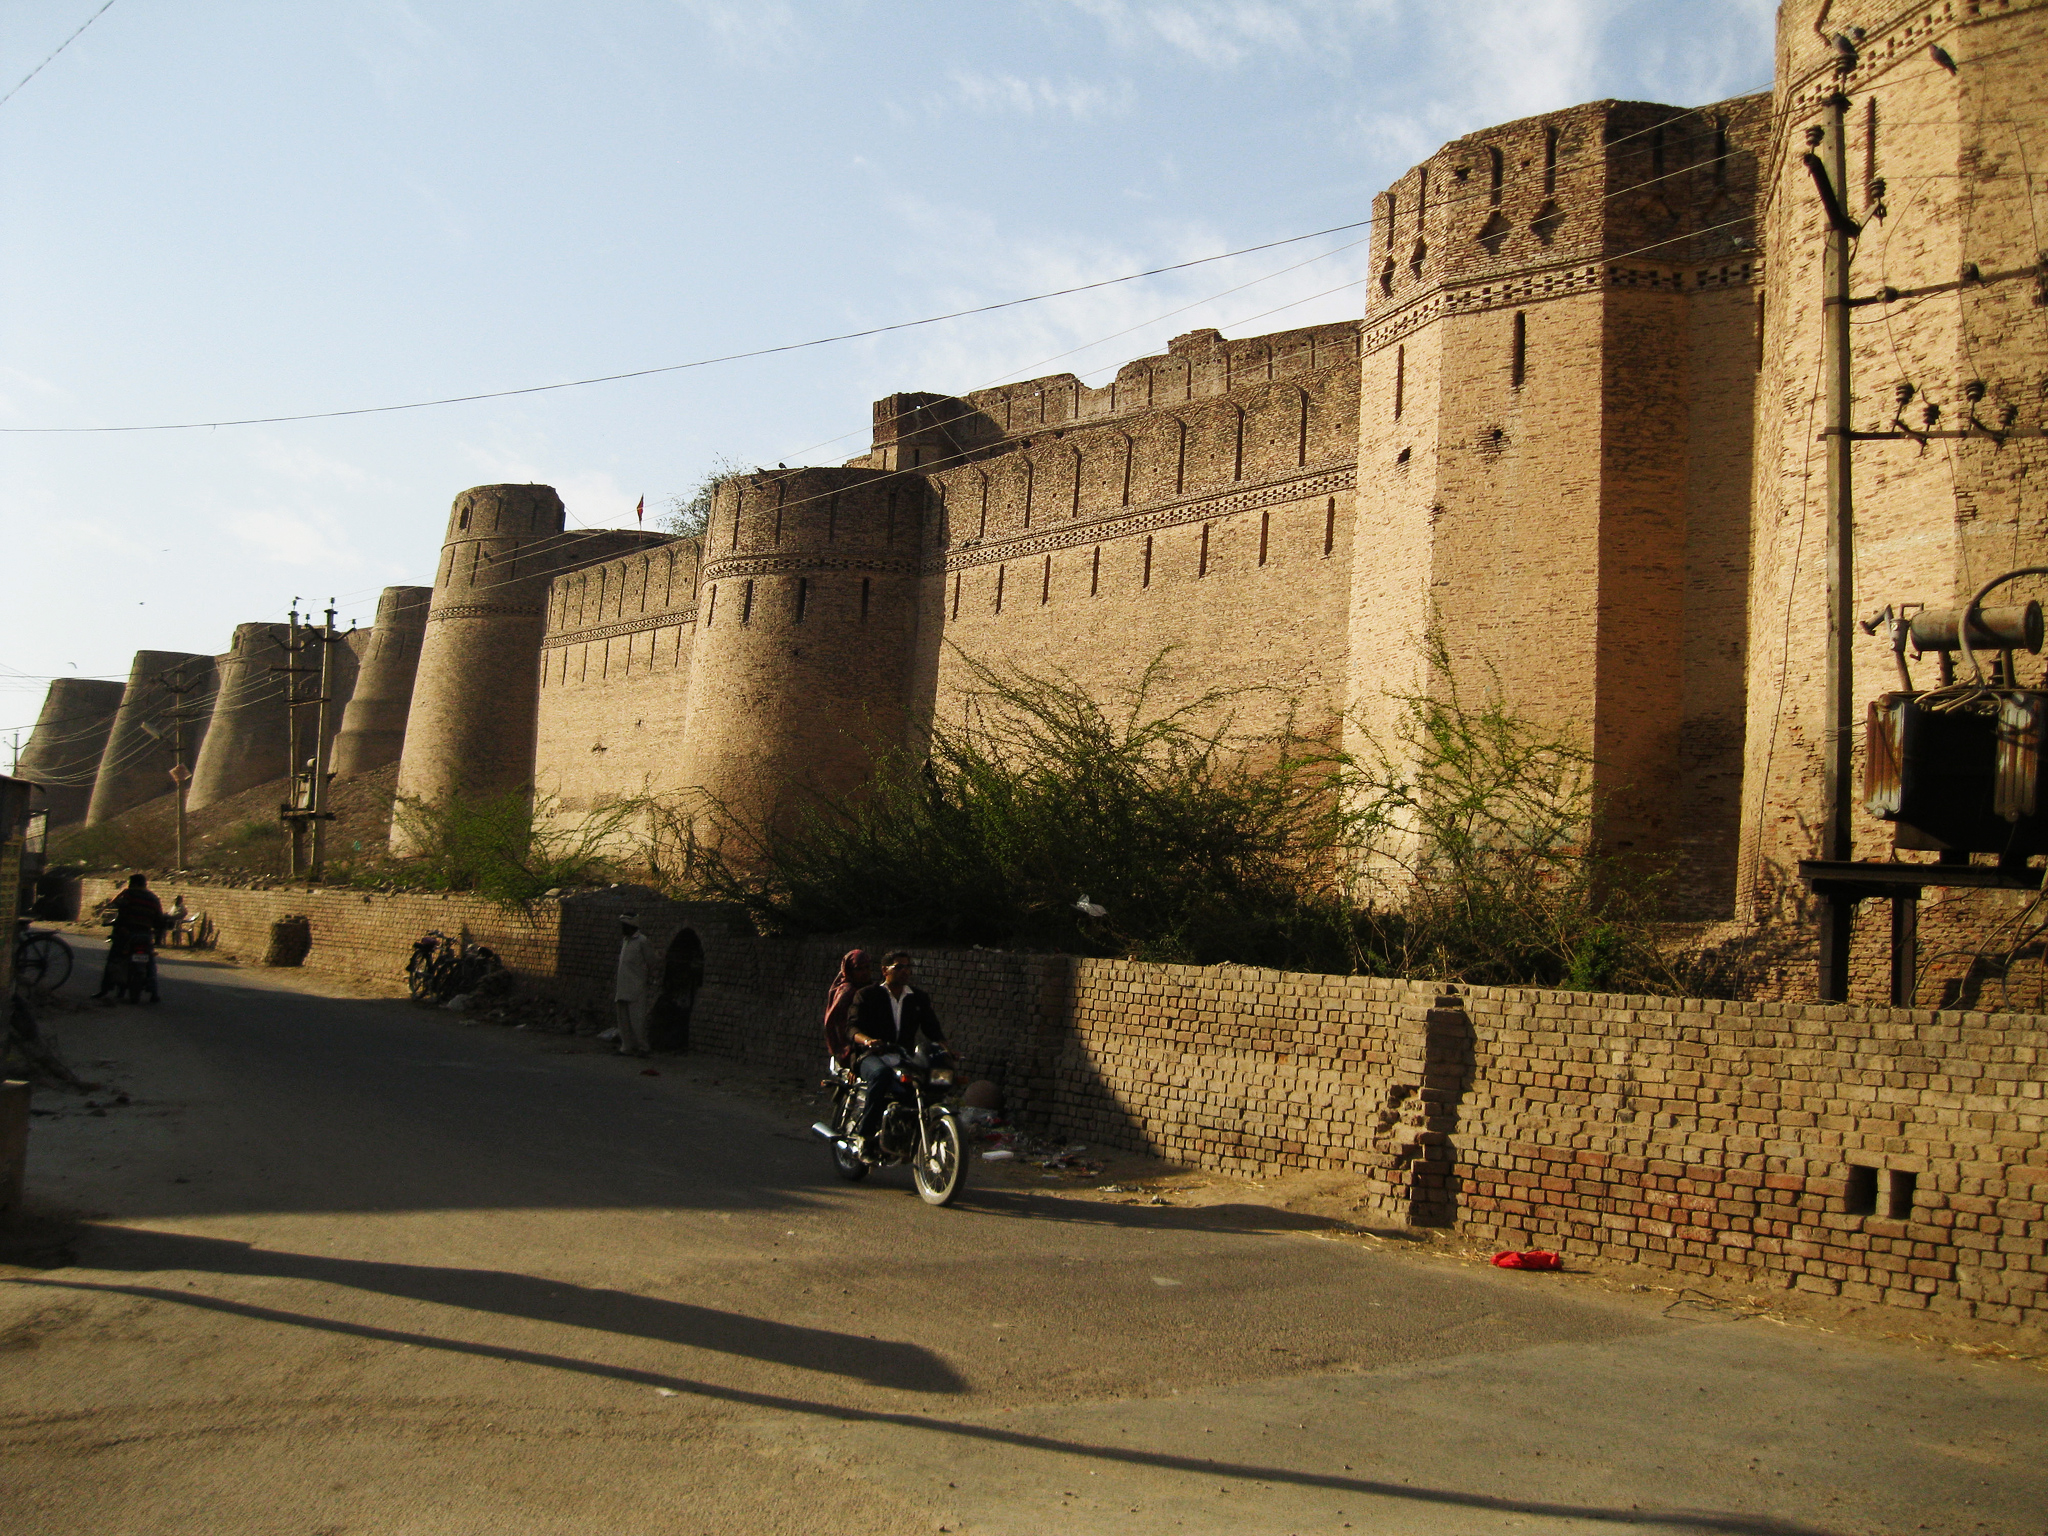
(178,921)
(856,972)
(137,916)
(889,1016)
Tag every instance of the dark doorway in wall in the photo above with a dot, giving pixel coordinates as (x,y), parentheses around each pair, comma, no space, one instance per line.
(668,1022)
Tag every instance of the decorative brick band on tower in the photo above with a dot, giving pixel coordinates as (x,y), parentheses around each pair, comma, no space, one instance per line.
(1554,441)
(247,741)
(63,754)
(807,619)
(470,728)
(136,764)
(388,659)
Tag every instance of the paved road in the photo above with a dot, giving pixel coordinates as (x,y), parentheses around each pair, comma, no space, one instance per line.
(356,1268)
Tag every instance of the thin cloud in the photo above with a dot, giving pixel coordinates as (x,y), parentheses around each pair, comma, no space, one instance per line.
(1002,93)
(748,31)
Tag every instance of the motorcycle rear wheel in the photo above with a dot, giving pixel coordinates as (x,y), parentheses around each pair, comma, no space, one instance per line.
(940,1171)
(846,1165)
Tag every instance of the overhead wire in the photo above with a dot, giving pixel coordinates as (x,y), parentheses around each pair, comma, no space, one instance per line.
(636,373)
(24,80)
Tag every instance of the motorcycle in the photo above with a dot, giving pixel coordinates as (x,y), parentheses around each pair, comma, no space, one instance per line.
(917,1126)
(136,953)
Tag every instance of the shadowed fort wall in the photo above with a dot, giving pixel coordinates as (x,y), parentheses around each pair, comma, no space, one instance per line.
(1952,153)
(64,751)
(373,725)
(136,764)
(1553,451)
(247,740)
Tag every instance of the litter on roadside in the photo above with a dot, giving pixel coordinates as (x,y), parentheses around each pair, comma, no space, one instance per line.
(1533,1258)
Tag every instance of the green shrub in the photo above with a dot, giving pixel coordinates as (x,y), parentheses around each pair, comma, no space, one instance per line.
(509,847)
(1199,843)
(1463,849)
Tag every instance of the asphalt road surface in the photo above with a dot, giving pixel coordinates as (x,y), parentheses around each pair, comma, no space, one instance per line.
(354,1267)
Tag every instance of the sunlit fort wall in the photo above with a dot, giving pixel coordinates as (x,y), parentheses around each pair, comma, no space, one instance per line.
(1576,435)
(470,727)
(1554,443)
(63,752)
(1944,173)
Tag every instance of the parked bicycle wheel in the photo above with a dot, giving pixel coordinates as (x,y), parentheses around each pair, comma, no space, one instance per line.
(42,961)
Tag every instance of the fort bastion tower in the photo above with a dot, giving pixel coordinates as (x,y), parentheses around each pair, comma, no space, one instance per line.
(470,725)
(63,755)
(373,725)
(1554,448)
(1944,146)
(247,738)
(757,665)
(139,756)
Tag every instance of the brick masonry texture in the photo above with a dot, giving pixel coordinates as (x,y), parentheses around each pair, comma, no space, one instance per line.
(1577,427)
(1701,1137)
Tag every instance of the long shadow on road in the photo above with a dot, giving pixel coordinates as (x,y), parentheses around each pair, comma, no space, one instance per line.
(878,1363)
(1731,1523)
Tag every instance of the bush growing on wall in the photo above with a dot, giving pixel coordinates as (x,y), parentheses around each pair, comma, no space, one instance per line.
(508,848)
(1458,850)
(1198,844)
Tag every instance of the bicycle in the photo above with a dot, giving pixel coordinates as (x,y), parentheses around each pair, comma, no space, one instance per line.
(42,961)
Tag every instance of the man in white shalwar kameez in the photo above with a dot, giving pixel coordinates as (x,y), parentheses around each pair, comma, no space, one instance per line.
(636,966)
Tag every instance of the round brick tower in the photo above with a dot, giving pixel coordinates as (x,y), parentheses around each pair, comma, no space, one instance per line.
(247,740)
(373,726)
(476,690)
(807,624)
(136,765)
(470,723)
(63,754)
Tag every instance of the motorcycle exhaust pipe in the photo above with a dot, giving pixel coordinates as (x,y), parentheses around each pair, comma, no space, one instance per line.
(822,1131)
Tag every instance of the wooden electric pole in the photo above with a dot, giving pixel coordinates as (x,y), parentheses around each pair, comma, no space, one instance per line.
(177,683)
(323,719)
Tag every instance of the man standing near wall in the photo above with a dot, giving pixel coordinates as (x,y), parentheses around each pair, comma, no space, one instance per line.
(636,964)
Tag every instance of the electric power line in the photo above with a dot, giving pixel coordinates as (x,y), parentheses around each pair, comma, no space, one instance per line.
(24,80)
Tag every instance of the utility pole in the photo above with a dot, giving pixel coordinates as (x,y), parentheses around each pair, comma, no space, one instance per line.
(292,812)
(1838,910)
(320,817)
(177,684)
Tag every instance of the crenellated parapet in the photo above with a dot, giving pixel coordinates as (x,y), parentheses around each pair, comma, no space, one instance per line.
(1212,426)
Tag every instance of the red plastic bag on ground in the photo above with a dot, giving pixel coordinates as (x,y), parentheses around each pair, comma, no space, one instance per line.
(1534,1258)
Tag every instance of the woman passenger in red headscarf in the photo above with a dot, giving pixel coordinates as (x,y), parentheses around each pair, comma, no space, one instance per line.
(855,971)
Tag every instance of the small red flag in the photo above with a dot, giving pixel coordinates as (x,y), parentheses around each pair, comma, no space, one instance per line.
(640,512)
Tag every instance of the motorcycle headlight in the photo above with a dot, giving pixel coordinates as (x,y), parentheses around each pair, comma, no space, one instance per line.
(943,1077)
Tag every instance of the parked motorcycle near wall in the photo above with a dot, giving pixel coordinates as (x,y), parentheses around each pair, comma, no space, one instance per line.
(917,1126)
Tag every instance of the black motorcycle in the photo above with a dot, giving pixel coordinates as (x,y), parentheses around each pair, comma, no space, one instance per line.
(917,1126)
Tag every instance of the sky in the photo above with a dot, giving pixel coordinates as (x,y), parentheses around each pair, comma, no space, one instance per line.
(215,211)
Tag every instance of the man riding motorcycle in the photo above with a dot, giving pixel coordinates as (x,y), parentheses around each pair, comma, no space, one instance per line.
(888,1016)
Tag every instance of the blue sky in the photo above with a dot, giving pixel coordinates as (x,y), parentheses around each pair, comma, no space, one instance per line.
(225,210)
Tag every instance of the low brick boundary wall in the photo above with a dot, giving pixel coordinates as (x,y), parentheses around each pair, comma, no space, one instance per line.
(1887,1155)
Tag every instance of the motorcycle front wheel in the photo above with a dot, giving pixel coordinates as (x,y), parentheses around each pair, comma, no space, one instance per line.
(940,1171)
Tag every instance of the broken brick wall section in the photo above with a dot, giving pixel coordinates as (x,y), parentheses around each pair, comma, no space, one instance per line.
(1884,1155)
